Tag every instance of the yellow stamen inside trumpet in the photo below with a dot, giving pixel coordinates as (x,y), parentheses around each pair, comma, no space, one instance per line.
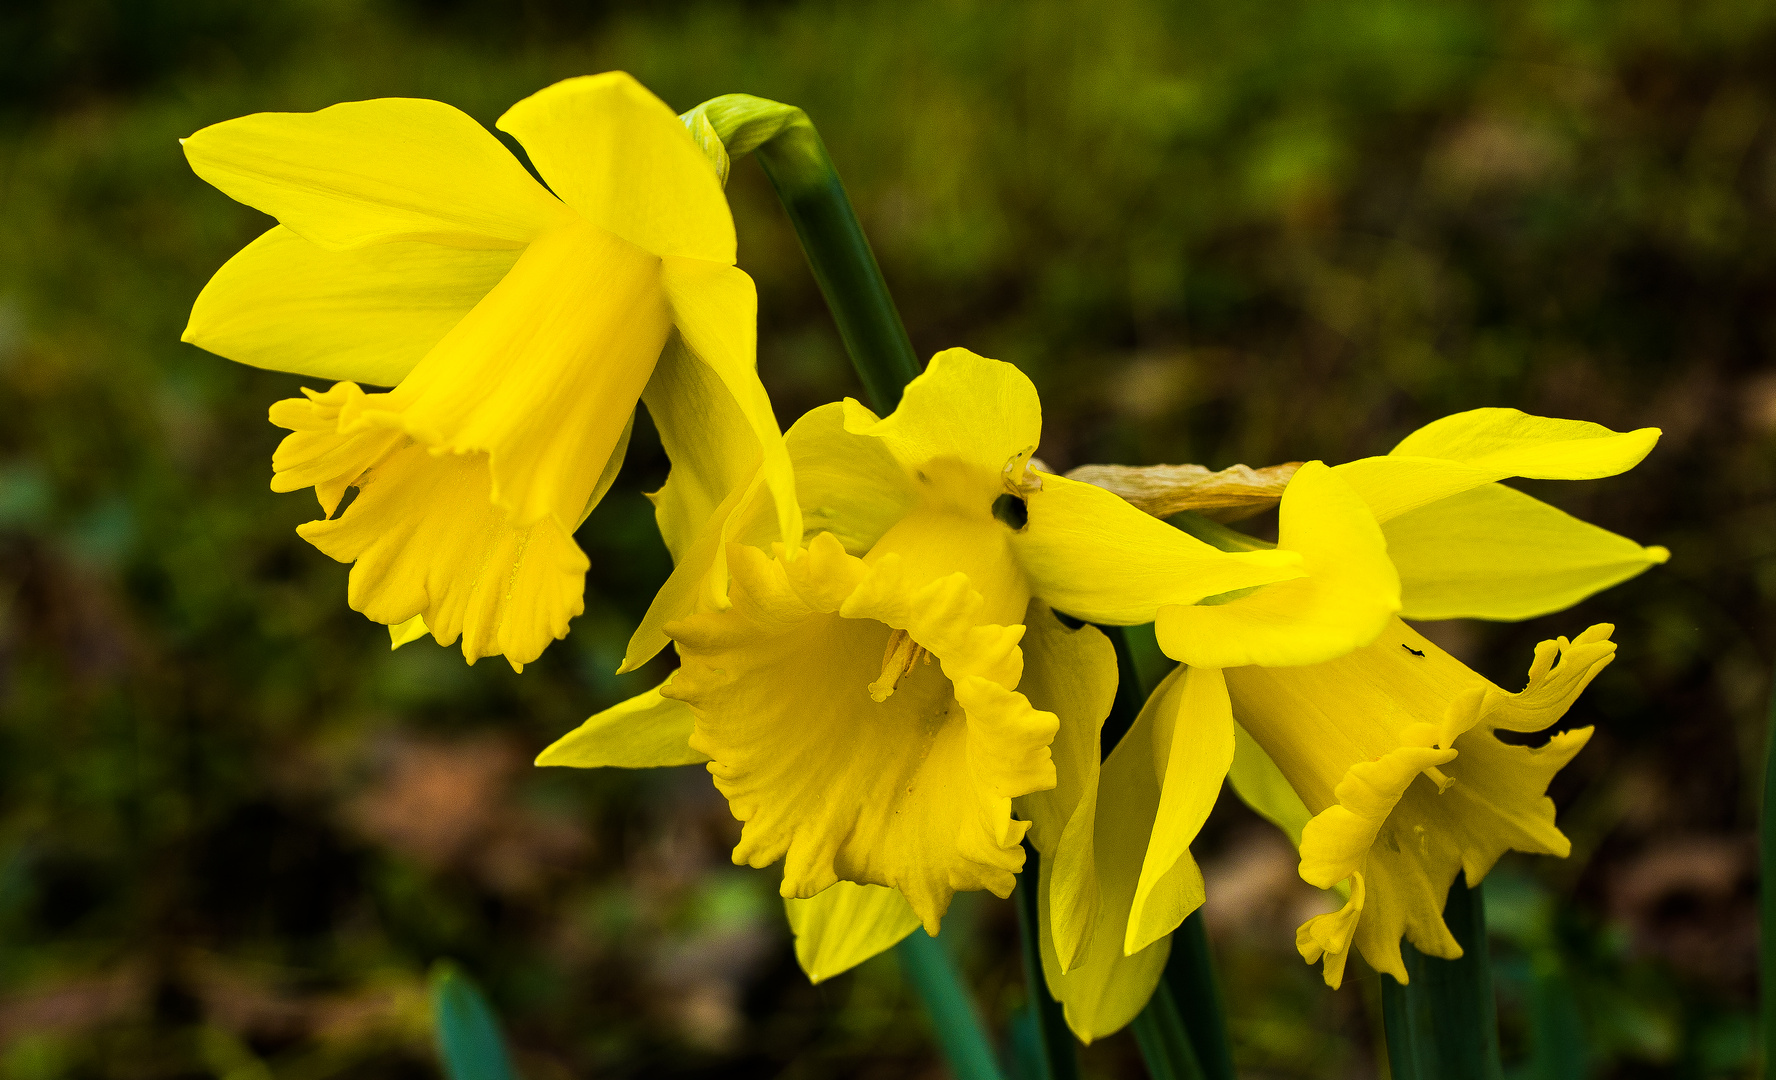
(897,659)
(1440,778)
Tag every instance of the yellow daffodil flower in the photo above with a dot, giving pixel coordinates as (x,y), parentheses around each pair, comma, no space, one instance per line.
(1330,707)
(872,709)
(517,325)
(1392,750)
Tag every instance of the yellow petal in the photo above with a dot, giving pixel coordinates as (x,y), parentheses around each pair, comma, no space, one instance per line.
(1104,990)
(845,924)
(543,375)
(426,541)
(963,408)
(710,459)
(1192,730)
(643,732)
(715,309)
(1263,787)
(1095,557)
(690,587)
(367,314)
(912,791)
(1071,673)
(617,154)
(1347,597)
(1496,553)
(848,485)
(411,630)
(366,172)
(1535,446)
(1330,935)
(1456,453)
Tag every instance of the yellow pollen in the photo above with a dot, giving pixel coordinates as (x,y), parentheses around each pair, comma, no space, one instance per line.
(1440,778)
(897,659)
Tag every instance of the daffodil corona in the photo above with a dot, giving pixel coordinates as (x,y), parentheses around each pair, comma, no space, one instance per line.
(517,326)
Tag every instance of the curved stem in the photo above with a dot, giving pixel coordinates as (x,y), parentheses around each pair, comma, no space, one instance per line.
(796,162)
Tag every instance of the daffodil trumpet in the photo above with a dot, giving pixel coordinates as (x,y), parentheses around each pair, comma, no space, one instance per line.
(516,325)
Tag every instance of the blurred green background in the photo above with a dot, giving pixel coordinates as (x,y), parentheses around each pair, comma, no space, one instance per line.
(235,829)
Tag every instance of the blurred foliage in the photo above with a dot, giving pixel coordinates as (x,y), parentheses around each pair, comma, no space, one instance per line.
(235,829)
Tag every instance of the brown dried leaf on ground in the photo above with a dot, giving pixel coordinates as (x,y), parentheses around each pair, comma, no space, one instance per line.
(1163,490)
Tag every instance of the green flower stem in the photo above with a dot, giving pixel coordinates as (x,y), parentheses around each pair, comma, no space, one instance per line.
(1057,1051)
(932,975)
(796,163)
(1187,1003)
(1443,1025)
(1767,895)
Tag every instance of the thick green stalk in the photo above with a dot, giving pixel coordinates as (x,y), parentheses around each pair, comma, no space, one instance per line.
(1767,895)
(1443,1025)
(932,975)
(796,163)
(1057,1054)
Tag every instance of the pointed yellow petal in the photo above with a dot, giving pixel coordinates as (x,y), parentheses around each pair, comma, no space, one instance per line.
(698,580)
(848,485)
(1496,553)
(543,375)
(1349,593)
(1104,990)
(367,314)
(711,459)
(367,172)
(1263,787)
(1095,557)
(715,309)
(426,541)
(617,154)
(1192,747)
(845,924)
(1534,446)
(1071,673)
(644,732)
(411,630)
(963,408)
(1469,449)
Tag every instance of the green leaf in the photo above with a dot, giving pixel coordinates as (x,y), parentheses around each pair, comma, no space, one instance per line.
(469,1041)
(1443,1025)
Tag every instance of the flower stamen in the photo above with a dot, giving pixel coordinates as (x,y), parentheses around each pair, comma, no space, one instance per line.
(1439,777)
(898,658)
